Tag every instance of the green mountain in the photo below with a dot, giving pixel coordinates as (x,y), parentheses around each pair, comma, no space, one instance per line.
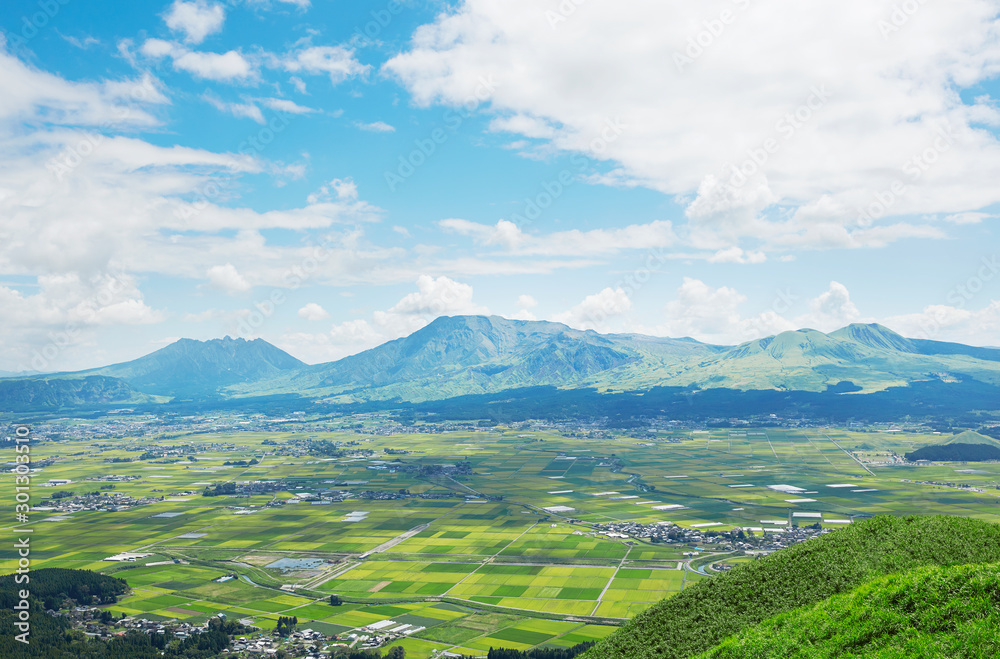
(188,367)
(973,437)
(476,355)
(968,446)
(702,616)
(184,369)
(54,393)
(461,355)
(926,613)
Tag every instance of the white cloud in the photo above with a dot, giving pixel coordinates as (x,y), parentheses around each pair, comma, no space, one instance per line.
(375,127)
(703,312)
(82,43)
(509,236)
(523,125)
(243,110)
(37,96)
(225,67)
(336,61)
(833,308)
(525,303)
(50,329)
(967,218)
(339,189)
(821,108)
(597,312)
(283,105)
(439,296)
(230,65)
(737,255)
(313,311)
(227,278)
(435,296)
(196,20)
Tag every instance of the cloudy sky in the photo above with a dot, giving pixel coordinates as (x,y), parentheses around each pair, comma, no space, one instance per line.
(329,175)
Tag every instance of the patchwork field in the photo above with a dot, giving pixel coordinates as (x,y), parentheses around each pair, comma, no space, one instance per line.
(498,552)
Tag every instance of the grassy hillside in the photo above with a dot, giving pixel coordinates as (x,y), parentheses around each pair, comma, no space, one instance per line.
(928,612)
(700,617)
(968,446)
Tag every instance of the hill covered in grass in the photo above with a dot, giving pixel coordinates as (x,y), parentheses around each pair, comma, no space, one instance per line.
(968,446)
(700,617)
(928,612)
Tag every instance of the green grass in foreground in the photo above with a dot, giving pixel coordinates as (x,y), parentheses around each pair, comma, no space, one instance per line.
(929,612)
(702,616)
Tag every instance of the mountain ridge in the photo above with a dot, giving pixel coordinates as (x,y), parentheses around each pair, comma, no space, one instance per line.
(466,355)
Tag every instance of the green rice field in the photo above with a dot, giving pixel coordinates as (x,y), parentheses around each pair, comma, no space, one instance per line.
(506,556)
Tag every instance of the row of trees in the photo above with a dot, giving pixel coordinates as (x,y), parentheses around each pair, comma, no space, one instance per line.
(539,653)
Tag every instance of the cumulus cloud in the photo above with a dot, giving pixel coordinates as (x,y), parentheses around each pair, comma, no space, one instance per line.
(794,125)
(51,328)
(337,62)
(434,297)
(196,20)
(231,66)
(834,308)
(313,311)
(227,278)
(597,312)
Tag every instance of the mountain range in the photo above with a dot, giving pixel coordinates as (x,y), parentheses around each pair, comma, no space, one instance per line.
(469,355)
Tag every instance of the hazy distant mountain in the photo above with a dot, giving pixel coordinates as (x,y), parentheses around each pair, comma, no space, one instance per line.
(188,367)
(465,355)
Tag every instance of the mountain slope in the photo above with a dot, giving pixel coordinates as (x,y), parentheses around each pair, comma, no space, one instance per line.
(463,355)
(473,355)
(54,393)
(188,367)
(926,613)
(968,446)
(700,617)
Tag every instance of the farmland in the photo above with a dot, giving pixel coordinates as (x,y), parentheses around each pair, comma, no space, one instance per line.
(487,538)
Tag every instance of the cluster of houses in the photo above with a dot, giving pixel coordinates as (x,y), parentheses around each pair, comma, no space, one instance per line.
(735,540)
(106,501)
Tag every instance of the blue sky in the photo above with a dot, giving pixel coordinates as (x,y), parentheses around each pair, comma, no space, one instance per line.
(332,175)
